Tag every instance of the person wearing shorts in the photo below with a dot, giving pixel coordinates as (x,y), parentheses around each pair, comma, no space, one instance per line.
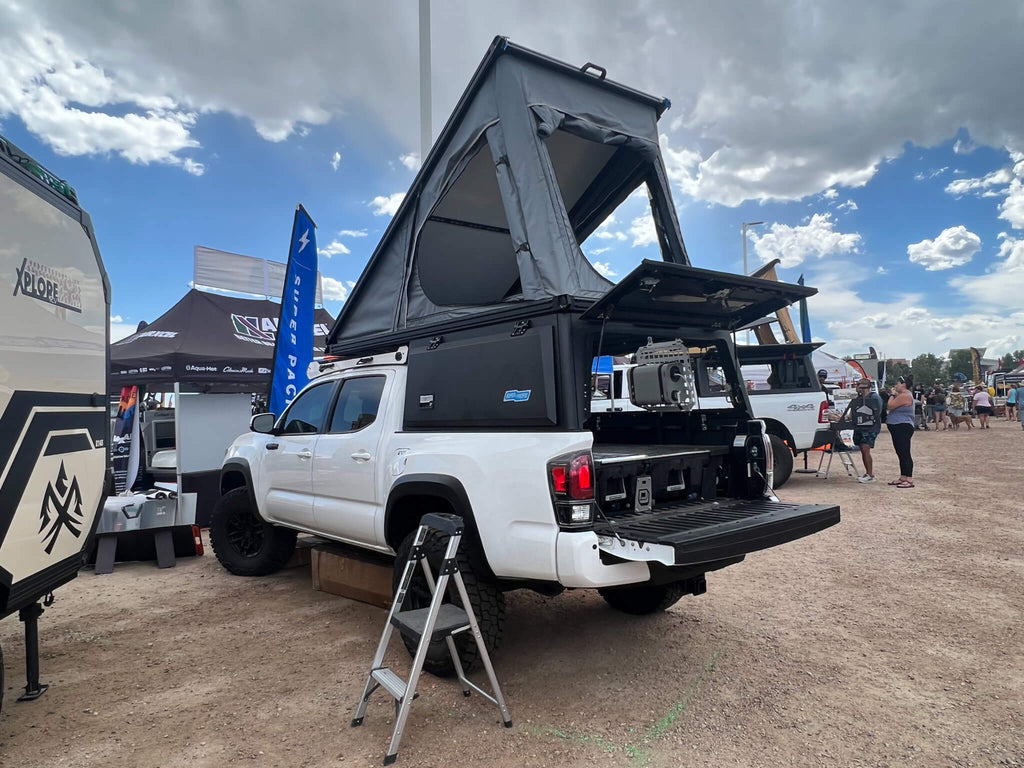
(1011,404)
(983,406)
(939,405)
(865,413)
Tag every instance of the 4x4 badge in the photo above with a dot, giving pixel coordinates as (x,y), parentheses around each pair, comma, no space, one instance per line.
(62,508)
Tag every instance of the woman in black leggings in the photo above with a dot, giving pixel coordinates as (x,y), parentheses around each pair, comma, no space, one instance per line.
(900,422)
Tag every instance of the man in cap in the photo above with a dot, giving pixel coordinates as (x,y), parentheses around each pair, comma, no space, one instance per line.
(865,413)
(822,375)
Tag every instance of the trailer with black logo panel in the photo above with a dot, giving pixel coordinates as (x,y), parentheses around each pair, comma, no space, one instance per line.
(55,315)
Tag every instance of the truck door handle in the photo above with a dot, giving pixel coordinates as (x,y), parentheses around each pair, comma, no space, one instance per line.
(272,446)
(305,453)
(362,456)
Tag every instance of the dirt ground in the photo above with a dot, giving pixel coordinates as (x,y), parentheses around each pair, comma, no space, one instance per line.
(892,639)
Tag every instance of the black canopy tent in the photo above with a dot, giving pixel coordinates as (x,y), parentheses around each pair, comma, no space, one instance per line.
(207,342)
(217,345)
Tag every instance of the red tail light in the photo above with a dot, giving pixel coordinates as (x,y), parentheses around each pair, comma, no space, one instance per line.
(581,485)
(558,478)
(572,489)
(821,412)
(198,539)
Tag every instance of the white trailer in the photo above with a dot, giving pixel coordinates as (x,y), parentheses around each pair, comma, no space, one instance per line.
(54,312)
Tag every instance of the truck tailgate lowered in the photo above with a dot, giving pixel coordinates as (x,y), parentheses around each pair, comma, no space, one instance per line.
(708,531)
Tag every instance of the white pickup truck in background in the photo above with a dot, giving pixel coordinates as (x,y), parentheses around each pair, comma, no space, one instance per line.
(781,384)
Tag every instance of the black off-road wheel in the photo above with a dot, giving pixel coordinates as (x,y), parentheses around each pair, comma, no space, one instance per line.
(487,600)
(783,465)
(644,599)
(243,543)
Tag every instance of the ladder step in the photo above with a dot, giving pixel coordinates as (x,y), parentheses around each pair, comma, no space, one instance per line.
(450,619)
(390,682)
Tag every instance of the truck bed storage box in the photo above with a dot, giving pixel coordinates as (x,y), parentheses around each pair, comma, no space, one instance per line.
(502,375)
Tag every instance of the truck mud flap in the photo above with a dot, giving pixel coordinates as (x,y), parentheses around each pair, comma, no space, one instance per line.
(706,531)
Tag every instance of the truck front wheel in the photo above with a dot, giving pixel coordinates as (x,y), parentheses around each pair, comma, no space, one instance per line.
(243,543)
(487,600)
(643,599)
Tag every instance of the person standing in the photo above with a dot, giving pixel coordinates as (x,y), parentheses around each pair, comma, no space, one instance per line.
(983,406)
(865,413)
(900,422)
(939,405)
(957,403)
(1020,401)
(1011,405)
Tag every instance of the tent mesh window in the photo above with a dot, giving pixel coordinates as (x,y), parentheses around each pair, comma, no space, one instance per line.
(467,237)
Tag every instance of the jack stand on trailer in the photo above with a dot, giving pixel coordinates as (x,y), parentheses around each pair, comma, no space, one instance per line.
(33,688)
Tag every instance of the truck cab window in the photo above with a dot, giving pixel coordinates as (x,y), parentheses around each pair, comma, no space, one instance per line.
(307,411)
(357,404)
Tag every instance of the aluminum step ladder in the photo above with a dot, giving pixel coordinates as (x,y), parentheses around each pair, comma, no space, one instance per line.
(426,625)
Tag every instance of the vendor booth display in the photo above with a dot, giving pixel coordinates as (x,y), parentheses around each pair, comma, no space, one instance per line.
(213,352)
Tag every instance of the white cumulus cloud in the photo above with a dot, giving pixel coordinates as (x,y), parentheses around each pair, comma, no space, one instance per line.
(387,205)
(1003,285)
(643,231)
(352,233)
(605,268)
(336,290)
(335,160)
(792,245)
(410,160)
(953,247)
(333,248)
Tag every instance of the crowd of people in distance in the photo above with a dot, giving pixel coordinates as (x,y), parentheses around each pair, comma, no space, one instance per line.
(940,408)
(907,408)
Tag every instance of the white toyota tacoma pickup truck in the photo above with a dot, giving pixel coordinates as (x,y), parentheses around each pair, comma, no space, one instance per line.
(460,378)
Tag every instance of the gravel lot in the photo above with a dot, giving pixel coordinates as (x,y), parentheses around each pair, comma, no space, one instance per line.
(892,639)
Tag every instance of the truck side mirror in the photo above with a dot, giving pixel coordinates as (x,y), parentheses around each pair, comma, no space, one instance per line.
(263,423)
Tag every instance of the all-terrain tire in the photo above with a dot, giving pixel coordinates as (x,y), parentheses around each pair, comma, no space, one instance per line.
(487,600)
(243,543)
(643,599)
(783,464)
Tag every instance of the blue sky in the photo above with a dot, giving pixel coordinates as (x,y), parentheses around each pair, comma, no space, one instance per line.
(880,144)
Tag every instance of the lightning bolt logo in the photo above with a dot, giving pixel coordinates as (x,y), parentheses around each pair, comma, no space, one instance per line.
(304,240)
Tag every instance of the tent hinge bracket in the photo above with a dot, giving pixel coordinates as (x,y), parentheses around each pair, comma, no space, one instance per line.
(521,327)
(435,342)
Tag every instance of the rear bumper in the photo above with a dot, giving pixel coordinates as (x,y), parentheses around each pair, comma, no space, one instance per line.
(709,531)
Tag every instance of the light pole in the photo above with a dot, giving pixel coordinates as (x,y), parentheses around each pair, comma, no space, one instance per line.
(745,225)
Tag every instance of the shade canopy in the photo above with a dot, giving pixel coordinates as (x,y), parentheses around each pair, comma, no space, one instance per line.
(535,157)
(207,342)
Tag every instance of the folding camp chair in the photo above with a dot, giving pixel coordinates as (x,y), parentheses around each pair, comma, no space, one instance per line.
(834,447)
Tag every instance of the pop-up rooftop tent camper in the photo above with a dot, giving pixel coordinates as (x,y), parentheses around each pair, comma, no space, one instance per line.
(486,247)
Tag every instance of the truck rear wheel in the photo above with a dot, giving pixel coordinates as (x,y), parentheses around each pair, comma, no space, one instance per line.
(487,600)
(643,599)
(243,543)
(783,466)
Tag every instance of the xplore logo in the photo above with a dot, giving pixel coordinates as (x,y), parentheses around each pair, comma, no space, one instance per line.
(62,508)
(48,284)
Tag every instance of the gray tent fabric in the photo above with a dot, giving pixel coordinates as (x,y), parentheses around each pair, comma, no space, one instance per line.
(536,155)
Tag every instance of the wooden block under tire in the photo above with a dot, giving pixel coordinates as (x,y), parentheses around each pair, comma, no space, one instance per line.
(352,573)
